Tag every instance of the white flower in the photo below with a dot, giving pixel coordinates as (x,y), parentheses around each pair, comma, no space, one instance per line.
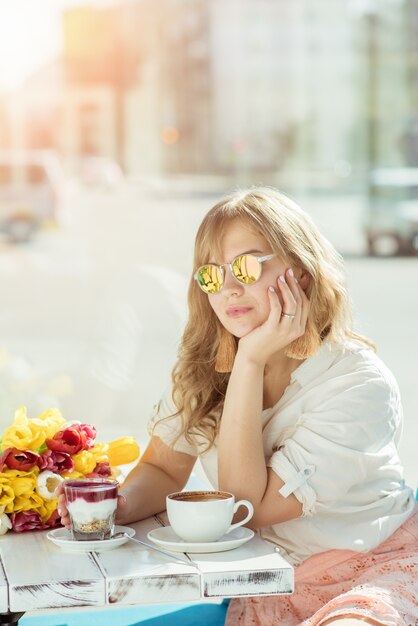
(46,483)
(5,524)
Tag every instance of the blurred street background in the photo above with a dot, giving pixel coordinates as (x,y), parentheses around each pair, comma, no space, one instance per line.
(123,122)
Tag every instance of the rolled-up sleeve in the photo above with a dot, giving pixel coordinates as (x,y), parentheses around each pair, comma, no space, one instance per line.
(166,423)
(335,447)
(295,480)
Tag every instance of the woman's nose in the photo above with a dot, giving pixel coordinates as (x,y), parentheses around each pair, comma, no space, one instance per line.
(231,284)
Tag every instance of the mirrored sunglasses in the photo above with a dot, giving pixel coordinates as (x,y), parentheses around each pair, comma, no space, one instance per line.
(246,268)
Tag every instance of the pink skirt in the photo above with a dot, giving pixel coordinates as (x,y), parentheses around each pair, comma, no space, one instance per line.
(380,586)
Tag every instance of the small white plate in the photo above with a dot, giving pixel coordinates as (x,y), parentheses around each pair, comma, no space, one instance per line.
(166,538)
(62,538)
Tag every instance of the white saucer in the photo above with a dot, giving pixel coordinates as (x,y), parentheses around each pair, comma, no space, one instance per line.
(166,538)
(62,538)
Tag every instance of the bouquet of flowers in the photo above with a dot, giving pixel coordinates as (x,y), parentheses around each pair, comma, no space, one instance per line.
(38,454)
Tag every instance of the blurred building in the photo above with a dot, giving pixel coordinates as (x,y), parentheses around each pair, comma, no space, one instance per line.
(244,86)
(282,74)
(387,93)
(409,138)
(79,104)
(314,92)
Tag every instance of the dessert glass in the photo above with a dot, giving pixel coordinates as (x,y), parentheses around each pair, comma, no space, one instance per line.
(91,504)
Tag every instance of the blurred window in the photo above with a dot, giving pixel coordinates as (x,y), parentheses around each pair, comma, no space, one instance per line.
(5,175)
(394,192)
(388,193)
(35,175)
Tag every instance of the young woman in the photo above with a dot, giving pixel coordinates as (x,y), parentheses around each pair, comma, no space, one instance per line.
(289,408)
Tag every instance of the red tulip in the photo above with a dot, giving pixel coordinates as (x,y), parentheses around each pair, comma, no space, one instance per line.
(73,439)
(55,461)
(102,470)
(90,433)
(31,520)
(26,520)
(22,460)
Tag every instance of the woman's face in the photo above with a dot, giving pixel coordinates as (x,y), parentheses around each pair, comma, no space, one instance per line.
(241,308)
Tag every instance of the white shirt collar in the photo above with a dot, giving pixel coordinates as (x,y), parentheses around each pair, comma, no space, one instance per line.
(316,364)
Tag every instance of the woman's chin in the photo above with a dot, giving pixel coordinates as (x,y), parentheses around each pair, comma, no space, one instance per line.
(240,331)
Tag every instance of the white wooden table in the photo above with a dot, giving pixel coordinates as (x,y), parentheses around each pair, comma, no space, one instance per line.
(39,575)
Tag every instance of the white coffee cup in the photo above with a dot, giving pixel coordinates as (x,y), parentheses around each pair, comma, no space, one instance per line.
(203,516)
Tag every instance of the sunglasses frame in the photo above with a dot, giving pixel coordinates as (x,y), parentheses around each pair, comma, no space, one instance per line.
(259,259)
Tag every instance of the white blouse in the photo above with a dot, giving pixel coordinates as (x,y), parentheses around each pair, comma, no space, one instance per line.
(332,438)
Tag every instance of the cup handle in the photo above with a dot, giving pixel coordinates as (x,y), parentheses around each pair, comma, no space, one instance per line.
(246,519)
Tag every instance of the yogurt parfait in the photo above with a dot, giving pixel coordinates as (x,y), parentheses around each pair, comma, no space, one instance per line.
(91,505)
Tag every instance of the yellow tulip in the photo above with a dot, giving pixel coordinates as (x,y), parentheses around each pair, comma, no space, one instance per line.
(18,435)
(30,434)
(22,503)
(22,485)
(73,475)
(6,493)
(46,507)
(122,451)
(49,422)
(34,503)
(84,462)
(100,452)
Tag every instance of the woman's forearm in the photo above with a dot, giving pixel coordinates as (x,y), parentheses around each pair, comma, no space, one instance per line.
(241,463)
(145,490)
(161,470)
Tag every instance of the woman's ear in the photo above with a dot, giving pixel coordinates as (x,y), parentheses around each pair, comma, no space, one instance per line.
(304,278)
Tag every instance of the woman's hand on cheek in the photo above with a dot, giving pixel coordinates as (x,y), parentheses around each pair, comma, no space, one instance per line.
(278,331)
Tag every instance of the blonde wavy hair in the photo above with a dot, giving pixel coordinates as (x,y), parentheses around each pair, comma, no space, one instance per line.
(198,389)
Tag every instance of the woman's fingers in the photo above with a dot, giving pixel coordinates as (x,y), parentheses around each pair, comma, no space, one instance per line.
(295,302)
(63,511)
(295,289)
(289,305)
(275,306)
(288,290)
(305,304)
(121,509)
(293,284)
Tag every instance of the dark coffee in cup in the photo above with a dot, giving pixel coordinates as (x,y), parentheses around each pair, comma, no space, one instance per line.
(201,496)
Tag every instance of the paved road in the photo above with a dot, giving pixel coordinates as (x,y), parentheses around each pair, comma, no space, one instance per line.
(57,293)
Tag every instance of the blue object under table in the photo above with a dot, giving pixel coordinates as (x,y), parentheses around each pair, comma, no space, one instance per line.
(153,615)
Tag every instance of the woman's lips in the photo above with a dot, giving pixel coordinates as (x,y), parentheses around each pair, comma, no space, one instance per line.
(237,311)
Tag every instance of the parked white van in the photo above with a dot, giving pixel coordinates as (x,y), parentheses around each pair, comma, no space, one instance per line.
(391,222)
(30,183)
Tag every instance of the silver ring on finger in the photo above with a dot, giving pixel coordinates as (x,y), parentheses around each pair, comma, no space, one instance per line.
(288,316)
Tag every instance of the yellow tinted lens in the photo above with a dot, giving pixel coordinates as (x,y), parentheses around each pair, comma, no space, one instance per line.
(246,268)
(210,278)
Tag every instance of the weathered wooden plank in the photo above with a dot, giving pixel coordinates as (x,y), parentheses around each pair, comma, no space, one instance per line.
(253,569)
(40,575)
(136,575)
